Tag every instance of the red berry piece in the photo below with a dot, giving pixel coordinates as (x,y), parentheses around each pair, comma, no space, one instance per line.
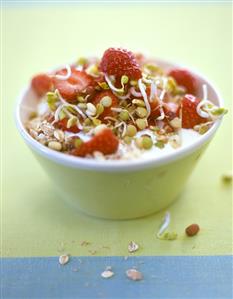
(190,117)
(77,83)
(107,109)
(62,125)
(105,142)
(119,62)
(185,79)
(41,84)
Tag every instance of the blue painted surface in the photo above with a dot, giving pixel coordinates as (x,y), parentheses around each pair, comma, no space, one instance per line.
(164,277)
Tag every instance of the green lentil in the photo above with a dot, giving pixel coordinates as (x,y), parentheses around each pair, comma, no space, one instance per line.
(138,102)
(96,121)
(99,109)
(124,115)
(147,142)
(131,130)
(82,61)
(81,99)
(106,101)
(77,142)
(87,122)
(159,144)
(141,112)
(141,123)
(103,85)
(82,106)
(128,139)
(139,142)
(72,121)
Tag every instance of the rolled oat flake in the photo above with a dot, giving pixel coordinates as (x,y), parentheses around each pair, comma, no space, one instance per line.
(132,247)
(107,273)
(134,274)
(64,259)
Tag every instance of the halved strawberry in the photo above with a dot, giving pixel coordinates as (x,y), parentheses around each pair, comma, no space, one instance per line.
(105,142)
(107,110)
(190,117)
(77,83)
(62,124)
(119,62)
(41,84)
(185,79)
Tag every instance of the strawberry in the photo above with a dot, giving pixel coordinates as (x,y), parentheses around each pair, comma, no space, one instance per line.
(77,83)
(105,142)
(62,125)
(41,84)
(185,79)
(107,110)
(190,117)
(119,62)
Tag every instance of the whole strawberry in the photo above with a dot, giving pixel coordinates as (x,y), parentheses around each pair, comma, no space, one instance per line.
(119,62)
(190,117)
(105,142)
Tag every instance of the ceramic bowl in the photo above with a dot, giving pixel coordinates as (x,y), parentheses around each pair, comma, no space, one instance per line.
(118,189)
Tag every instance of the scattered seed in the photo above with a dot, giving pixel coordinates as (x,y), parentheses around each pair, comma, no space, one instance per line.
(55,145)
(107,273)
(132,247)
(227,177)
(64,259)
(134,274)
(92,252)
(192,230)
(85,243)
(170,236)
(75,270)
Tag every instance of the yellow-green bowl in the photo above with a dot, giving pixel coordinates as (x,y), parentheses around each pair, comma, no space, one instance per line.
(118,189)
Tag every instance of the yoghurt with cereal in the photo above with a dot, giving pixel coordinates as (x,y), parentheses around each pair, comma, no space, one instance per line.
(123,106)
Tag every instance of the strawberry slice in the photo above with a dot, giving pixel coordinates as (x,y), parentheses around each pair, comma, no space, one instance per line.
(107,110)
(185,79)
(105,142)
(77,83)
(190,117)
(41,84)
(119,62)
(62,125)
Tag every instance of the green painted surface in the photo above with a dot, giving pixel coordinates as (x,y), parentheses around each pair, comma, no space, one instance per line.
(34,220)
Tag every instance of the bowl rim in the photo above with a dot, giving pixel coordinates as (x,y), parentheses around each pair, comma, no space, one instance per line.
(118,165)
